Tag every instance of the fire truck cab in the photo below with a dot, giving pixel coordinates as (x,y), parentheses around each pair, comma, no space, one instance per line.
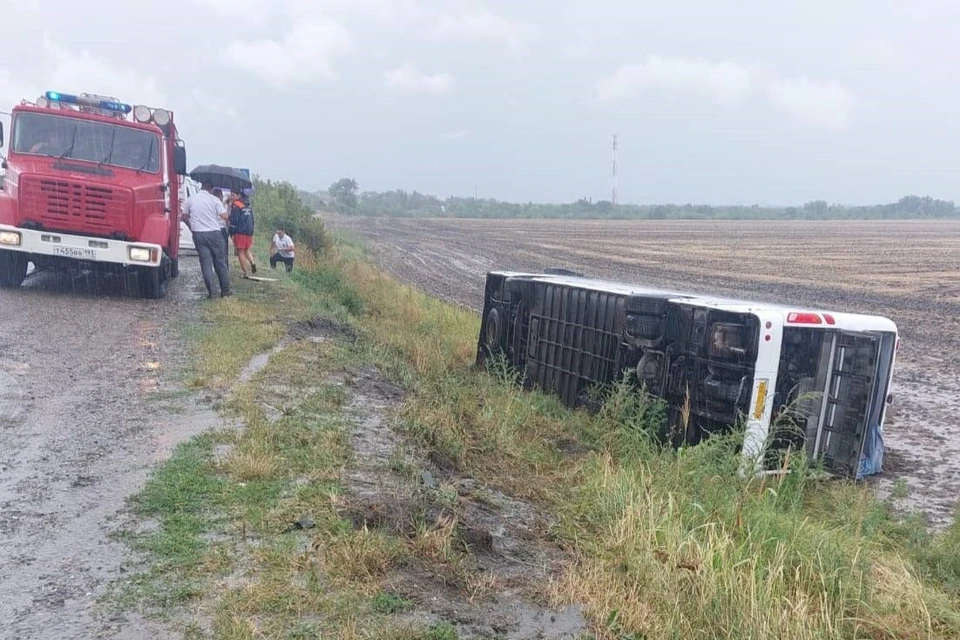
(91,183)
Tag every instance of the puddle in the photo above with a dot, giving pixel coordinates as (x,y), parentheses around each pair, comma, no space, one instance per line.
(259,361)
(321,327)
(11,399)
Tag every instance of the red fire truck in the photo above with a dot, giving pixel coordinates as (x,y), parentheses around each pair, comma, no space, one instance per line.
(91,183)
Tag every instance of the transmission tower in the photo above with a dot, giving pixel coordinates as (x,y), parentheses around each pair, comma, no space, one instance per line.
(613,195)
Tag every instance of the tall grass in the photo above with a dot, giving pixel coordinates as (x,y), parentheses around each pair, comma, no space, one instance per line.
(666,544)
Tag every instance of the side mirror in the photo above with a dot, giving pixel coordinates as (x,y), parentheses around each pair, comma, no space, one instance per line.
(1,134)
(179,160)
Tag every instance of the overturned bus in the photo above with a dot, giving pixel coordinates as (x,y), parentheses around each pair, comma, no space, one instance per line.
(716,363)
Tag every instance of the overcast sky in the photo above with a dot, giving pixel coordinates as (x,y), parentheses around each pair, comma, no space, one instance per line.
(780,102)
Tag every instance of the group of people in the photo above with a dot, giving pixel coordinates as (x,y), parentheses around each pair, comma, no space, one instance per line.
(212,222)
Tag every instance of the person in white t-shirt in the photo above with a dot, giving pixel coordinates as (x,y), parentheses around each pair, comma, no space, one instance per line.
(281,250)
(203,213)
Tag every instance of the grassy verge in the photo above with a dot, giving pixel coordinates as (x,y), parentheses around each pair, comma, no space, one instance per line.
(661,544)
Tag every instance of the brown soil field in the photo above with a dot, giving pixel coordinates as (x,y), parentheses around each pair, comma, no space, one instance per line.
(908,271)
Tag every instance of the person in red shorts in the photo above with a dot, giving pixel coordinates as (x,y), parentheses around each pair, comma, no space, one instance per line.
(241,228)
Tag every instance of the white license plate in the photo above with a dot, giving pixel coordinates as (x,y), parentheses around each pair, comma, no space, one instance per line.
(73,252)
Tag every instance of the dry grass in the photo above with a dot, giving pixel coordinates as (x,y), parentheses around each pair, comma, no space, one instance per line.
(253,461)
(359,557)
(668,545)
(664,544)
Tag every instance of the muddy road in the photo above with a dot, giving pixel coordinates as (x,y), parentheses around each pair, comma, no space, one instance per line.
(82,366)
(906,270)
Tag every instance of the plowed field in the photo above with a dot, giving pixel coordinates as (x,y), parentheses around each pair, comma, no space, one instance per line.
(908,271)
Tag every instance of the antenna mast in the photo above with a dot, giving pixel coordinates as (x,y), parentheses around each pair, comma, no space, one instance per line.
(613,195)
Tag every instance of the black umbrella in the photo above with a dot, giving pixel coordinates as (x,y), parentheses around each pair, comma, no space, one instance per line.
(223,177)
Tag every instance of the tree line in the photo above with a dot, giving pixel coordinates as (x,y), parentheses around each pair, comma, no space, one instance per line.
(345,197)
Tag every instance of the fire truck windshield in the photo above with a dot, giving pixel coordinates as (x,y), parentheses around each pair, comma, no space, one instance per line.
(71,138)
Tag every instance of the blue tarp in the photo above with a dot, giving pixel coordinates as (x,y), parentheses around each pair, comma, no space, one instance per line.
(871,462)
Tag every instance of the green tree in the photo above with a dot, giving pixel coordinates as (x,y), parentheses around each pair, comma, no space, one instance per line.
(344,192)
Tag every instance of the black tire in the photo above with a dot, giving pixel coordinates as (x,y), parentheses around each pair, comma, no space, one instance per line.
(154,283)
(644,327)
(494,331)
(13,269)
(646,305)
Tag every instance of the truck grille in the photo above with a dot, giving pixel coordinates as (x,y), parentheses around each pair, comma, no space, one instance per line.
(64,205)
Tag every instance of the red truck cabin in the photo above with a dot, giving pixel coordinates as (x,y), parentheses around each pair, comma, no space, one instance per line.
(91,182)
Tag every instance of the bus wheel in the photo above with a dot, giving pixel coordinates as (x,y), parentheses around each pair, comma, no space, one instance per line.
(13,269)
(494,331)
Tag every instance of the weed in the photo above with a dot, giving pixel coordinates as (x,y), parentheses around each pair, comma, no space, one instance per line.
(441,631)
(360,556)
(387,603)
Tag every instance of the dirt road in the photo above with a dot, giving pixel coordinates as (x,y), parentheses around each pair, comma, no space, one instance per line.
(81,368)
(908,271)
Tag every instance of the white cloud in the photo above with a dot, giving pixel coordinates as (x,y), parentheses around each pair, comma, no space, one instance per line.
(825,105)
(81,71)
(248,13)
(391,11)
(304,55)
(818,104)
(201,101)
(454,135)
(407,78)
(726,83)
(479,25)
(883,53)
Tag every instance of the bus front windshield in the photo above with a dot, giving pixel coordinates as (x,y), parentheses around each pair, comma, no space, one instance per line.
(71,138)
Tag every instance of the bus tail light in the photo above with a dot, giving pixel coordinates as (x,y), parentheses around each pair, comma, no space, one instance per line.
(797,317)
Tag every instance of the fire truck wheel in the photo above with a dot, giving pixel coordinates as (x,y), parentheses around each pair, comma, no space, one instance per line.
(153,283)
(13,269)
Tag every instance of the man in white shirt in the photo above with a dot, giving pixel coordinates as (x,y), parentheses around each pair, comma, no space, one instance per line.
(281,250)
(204,213)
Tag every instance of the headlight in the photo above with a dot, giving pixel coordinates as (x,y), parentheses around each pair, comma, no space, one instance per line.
(10,238)
(141,113)
(161,116)
(139,254)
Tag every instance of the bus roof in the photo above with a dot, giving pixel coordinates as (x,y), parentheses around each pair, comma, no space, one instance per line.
(792,315)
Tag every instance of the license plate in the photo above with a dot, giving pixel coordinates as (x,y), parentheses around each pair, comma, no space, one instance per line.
(73,252)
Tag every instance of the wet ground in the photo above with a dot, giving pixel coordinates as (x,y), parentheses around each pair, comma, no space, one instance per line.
(486,580)
(906,270)
(89,401)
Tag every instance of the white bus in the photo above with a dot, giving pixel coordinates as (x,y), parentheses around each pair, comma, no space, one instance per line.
(796,378)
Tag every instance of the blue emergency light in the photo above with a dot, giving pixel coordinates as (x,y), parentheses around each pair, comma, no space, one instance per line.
(88,101)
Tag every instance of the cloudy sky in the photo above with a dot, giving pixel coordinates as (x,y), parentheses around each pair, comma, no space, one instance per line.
(773,102)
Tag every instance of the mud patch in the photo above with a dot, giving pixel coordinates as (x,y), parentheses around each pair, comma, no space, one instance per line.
(259,361)
(11,399)
(497,556)
(321,327)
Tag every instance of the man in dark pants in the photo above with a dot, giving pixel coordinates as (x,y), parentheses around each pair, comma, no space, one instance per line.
(204,214)
(218,192)
(281,250)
